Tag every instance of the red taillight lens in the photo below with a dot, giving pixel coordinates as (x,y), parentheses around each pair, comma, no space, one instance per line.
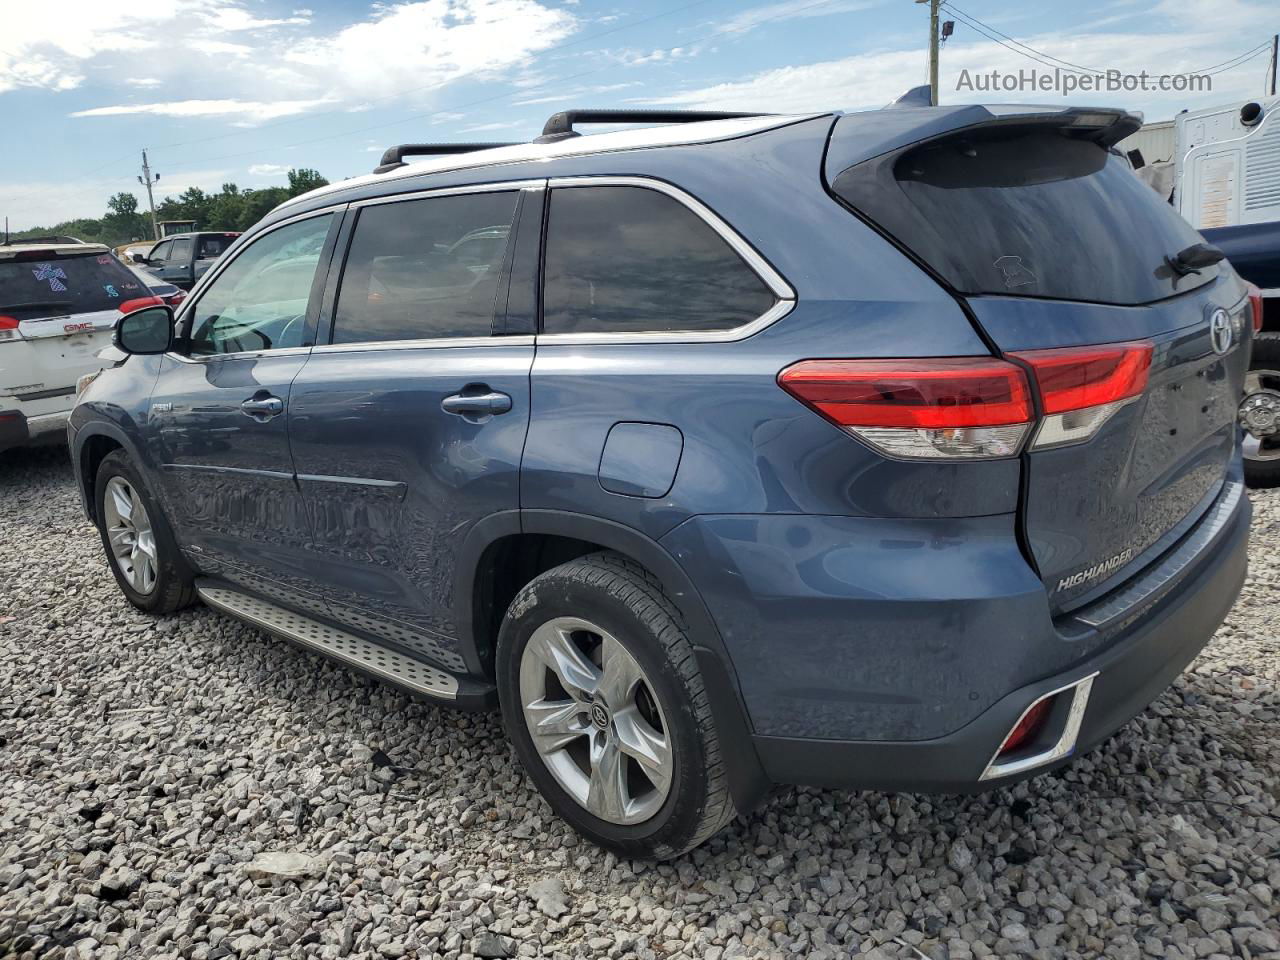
(8,323)
(137,304)
(972,407)
(1255,306)
(1073,378)
(1027,727)
(1082,387)
(175,298)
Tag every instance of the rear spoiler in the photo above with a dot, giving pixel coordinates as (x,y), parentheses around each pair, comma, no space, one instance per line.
(860,136)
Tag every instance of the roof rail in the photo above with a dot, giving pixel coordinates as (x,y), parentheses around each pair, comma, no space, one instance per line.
(393,158)
(560,125)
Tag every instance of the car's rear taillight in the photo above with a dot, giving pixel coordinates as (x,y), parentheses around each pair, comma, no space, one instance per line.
(1255,306)
(1027,727)
(138,303)
(1082,387)
(955,407)
(9,328)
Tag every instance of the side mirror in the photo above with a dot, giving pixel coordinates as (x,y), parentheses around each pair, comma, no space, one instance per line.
(139,258)
(145,331)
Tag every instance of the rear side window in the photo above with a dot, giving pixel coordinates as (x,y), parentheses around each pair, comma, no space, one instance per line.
(424,269)
(211,247)
(181,250)
(1026,213)
(58,286)
(628,259)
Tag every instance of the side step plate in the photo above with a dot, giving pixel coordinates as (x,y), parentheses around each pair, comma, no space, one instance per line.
(363,653)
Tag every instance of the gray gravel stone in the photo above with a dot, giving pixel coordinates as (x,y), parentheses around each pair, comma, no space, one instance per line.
(170,763)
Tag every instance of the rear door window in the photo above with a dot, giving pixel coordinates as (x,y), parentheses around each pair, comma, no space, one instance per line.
(424,269)
(181,250)
(1029,213)
(624,259)
(57,286)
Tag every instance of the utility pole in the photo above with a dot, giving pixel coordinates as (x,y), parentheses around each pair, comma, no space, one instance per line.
(1275,49)
(933,49)
(146,181)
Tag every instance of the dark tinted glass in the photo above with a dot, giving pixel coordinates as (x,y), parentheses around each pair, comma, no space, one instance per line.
(211,247)
(1026,213)
(58,286)
(424,269)
(627,259)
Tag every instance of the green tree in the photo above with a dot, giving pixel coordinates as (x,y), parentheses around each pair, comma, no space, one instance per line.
(303,179)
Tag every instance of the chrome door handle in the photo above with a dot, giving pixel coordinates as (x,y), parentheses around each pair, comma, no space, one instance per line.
(264,409)
(476,404)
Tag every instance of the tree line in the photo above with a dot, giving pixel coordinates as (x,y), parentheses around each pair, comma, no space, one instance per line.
(229,209)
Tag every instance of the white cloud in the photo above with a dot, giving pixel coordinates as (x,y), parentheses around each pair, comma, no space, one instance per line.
(244,109)
(412,46)
(489,127)
(233,18)
(268,169)
(220,48)
(145,82)
(790,10)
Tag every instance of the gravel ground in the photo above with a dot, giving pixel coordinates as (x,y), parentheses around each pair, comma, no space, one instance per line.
(188,787)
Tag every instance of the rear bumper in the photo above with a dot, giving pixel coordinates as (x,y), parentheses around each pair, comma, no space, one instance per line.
(1145,658)
(17,429)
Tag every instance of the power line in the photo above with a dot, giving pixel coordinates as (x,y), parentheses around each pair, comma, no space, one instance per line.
(1040,56)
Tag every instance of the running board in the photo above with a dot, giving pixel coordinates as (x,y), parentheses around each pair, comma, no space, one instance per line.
(361,652)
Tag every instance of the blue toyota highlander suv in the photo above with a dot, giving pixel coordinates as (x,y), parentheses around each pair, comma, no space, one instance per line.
(891,450)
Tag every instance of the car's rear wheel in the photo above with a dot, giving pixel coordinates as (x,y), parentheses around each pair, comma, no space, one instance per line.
(603,701)
(1260,414)
(140,548)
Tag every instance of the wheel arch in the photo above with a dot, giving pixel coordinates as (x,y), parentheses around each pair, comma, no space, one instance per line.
(92,444)
(557,535)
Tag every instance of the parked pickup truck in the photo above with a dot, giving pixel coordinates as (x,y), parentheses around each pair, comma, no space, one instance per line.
(183,259)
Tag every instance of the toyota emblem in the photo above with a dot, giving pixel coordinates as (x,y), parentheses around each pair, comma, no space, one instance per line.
(1220,331)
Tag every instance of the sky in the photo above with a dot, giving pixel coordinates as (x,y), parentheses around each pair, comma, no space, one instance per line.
(241,90)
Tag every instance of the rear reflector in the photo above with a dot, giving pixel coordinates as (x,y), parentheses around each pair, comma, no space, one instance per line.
(1027,727)
(1255,306)
(956,407)
(1082,387)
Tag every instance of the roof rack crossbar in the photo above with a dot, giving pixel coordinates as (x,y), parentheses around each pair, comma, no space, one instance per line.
(393,157)
(560,125)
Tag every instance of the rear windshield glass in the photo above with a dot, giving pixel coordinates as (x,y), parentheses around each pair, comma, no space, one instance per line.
(211,247)
(1026,213)
(58,286)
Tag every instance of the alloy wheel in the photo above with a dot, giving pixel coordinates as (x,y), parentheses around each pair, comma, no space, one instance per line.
(133,542)
(595,721)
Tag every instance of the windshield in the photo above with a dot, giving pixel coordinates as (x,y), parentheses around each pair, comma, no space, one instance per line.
(56,286)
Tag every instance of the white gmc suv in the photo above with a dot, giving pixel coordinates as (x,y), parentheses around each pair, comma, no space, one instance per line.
(58,305)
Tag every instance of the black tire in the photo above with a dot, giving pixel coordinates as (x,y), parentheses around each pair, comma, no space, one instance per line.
(174,581)
(623,598)
(1266,356)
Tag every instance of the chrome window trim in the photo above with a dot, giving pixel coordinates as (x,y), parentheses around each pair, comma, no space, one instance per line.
(755,262)
(499,186)
(427,343)
(198,289)
(240,355)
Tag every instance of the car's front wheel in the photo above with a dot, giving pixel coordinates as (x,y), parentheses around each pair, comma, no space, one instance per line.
(602,698)
(140,549)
